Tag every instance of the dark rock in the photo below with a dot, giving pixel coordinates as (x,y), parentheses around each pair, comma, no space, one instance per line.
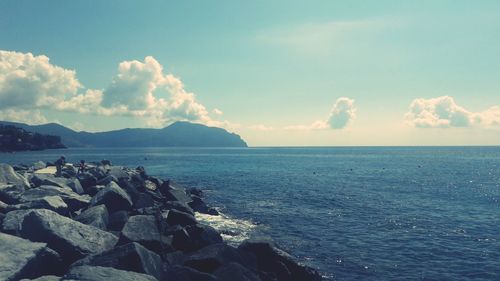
(181,240)
(235,272)
(118,172)
(179,206)
(45,179)
(96,216)
(143,230)
(71,239)
(87,180)
(132,257)
(53,203)
(173,192)
(10,193)
(113,197)
(174,217)
(203,235)
(143,200)
(211,257)
(72,199)
(107,180)
(195,191)
(13,221)
(2,217)
(92,190)
(198,205)
(21,258)
(98,172)
(174,258)
(3,207)
(99,273)
(9,177)
(117,220)
(45,278)
(270,259)
(183,273)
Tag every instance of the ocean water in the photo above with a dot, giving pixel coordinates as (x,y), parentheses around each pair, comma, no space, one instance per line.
(367,213)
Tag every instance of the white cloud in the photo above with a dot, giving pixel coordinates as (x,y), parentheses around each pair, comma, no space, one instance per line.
(217,111)
(444,112)
(261,127)
(33,117)
(341,114)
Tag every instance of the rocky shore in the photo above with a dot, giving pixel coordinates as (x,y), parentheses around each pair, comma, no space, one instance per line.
(118,223)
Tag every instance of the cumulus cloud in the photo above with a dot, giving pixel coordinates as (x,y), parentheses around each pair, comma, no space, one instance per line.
(217,111)
(444,112)
(341,114)
(140,89)
(261,127)
(34,117)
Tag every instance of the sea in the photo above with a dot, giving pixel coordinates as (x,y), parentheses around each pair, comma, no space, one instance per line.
(353,213)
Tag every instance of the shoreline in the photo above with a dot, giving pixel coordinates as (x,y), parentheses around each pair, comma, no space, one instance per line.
(113,218)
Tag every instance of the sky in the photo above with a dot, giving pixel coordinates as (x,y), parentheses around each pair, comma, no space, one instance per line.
(279,73)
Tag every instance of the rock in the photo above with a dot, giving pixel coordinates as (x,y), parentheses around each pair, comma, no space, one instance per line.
(92,191)
(13,221)
(113,197)
(132,257)
(87,180)
(39,165)
(183,273)
(142,229)
(181,240)
(118,172)
(45,278)
(46,179)
(21,258)
(174,193)
(96,216)
(211,257)
(179,206)
(235,272)
(149,185)
(71,239)
(203,235)
(270,259)
(174,217)
(53,203)
(143,200)
(195,191)
(198,205)
(99,273)
(107,180)
(9,177)
(3,207)
(72,199)
(117,220)
(98,172)
(9,193)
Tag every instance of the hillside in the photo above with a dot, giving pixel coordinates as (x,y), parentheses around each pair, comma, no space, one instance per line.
(17,139)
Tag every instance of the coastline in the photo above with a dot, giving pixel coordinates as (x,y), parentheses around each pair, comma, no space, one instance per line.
(140,224)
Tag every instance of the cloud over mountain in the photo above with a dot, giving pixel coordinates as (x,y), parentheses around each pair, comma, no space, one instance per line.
(444,112)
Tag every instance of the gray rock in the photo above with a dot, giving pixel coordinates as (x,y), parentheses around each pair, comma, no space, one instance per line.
(118,172)
(132,257)
(114,197)
(9,177)
(183,273)
(45,179)
(142,229)
(39,165)
(9,193)
(117,220)
(235,272)
(3,207)
(96,216)
(13,221)
(71,239)
(210,258)
(179,206)
(174,217)
(107,179)
(72,199)
(20,258)
(98,273)
(45,278)
(174,192)
(53,203)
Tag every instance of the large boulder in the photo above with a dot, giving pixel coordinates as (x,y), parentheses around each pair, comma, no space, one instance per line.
(20,258)
(210,258)
(174,217)
(179,206)
(53,203)
(96,216)
(114,197)
(235,272)
(117,220)
(46,179)
(132,257)
(9,177)
(72,199)
(271,259)
(71,239)
(173,192)
(9,193)
(203,235)
(142,229)
(99,273)
(183,273)
(13,221)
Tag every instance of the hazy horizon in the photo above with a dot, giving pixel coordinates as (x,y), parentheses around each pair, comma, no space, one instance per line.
(285,73)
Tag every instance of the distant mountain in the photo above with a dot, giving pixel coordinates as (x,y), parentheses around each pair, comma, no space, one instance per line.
(181,134)
(13,138)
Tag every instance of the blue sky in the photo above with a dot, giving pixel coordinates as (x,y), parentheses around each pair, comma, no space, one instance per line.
(276,72)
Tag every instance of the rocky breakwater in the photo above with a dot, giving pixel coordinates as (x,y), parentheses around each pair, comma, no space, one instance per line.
(116,223)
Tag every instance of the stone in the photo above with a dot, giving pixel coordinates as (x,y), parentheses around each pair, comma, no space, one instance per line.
(53,203)
(39,165)
(20,258)
(99,273)
(173,192)
(181,240)
(118,172)
(270,259)
(96,216)
(132,257)
(87,180)
(13,221)
(92,190)
(179,206)
(143,200)
(9,177)
(3,207)
(173,217)
(107,180)
(72,199)
(71,239)
(114,197)
(210,258)
(203,235)
(117,220)
(183,273)
(46,179)
(142,229)
(45,278)
(9,193)
(235,272)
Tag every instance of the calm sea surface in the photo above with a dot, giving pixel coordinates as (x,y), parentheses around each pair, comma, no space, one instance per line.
(385,213)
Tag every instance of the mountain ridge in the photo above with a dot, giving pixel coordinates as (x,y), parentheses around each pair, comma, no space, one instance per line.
(178,134)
